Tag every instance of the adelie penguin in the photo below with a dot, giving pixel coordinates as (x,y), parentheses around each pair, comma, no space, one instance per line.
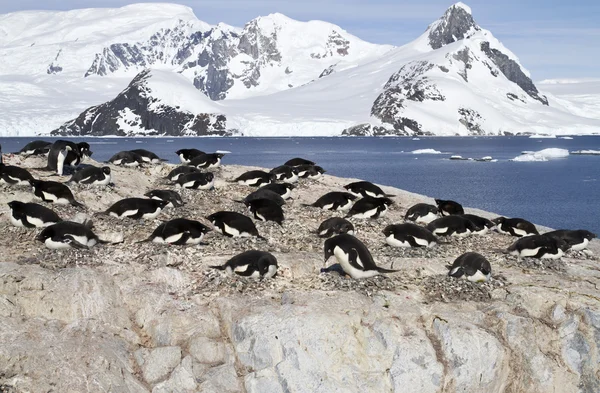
(284,190)
(207,161)
(310,171)
(92,175)
(252,263)
(255,178)
(187,155)
(68,234)
(261,193)
(353,256)
(335,200)
(14,175)
(448,208)
(136,208)
(285,173)
(233,224)
(170,196)
(515,227)
(409,235)
(366,189)
(577,240)
(179,231)
(197,181)
(180,171)
(148,156)
(35,148)
(482,225)
(51,191)
(538,246)
(422,213)
(75,153)
(335,226)
(298,161)
(266,210)
(126,158)
(31,215)
(472,266)
(61,160)
(454,225)
(370,207)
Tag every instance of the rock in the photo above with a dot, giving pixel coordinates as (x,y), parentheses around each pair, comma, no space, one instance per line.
(158,363)
(181,381)
(206,350)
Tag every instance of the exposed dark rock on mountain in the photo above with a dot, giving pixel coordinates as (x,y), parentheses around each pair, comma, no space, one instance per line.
(456,24)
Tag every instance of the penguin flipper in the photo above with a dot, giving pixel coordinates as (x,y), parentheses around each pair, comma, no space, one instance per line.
(77,204)
(246,273)
(456,272)
(218,267)
(73,243)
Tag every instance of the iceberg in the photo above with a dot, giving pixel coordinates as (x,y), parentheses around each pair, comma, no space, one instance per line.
(426,151)
(542,155)
(587,152)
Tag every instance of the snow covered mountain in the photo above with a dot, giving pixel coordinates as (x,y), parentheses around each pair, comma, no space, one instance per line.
(274,76)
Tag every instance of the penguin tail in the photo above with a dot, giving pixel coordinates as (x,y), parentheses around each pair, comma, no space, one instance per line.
(218,267)
(77,204)
(238,201)
(384,270)
(308,205)
(389,195)
(261,237)
(147,240)
(439,241)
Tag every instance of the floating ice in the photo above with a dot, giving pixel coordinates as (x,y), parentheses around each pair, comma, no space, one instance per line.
(223,151)
(565,137)
(542,136)
(426,151)
(587,152)
(542,155)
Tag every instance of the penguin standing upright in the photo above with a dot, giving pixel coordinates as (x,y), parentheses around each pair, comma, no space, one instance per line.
(61,158)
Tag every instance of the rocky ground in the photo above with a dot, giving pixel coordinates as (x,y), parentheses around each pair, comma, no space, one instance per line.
(139,317)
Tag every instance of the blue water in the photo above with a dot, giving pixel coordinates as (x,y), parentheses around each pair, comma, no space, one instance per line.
(561,193)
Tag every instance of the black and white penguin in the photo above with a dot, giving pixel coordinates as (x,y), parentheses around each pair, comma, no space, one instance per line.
(148,156)
(370,207)
(126,158)
(92,175)
(483,225)
(252,263)
(207,161)
(298,161)
(335,200)
(266,210)
(14,175)
(179,231)
(285,173)
(82,151)
(170,196)
(310,171)
(232,224)
(365,189)
(335,226)
(68,234)
(31,215)
(538,246)
(515,227)
(409,235)
(447,208)
(353,256)
(255,178)
(76,152)
(577,240)
(453,225)
(261,193)
(61,159)
(285,189)
(136,208)
(197,181)
(187,155)
(472,266)
(35,148)
(181,170)
(55,192)
(422,213)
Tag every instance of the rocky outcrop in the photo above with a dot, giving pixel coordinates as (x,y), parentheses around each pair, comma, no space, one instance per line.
(456,24)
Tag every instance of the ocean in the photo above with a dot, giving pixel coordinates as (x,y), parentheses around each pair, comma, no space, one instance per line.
(559,193)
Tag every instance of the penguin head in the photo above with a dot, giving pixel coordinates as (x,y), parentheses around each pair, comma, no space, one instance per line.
(499,220)
(331,244)
(15,204)
(35,182)
(45,234)
(387,201)
(106,170)
(587,234)
(212,219)
(387,231)
(162,204)
(84,149)
(272,177)
(346,227)
(319,169)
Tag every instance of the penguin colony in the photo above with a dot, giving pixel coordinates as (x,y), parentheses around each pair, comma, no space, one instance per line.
(424,226)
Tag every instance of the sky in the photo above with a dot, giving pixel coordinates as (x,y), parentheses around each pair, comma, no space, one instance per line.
(553,39)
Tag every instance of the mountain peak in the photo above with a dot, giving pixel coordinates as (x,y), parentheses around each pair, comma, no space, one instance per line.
(456,24)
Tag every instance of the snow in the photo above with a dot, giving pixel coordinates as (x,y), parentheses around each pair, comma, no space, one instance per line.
(565,137)
(426,151)
(542,155)
(463,6)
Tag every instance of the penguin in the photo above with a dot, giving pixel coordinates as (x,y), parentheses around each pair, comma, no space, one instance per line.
(310,171)
(197,181)
(284,190)
(68,234)
(61,158)
(54,154)
(35,148)
(232,224)
(482,224)
(538,246)
(335,200)
(51,191)
(298,161)
(1,160)
(472,266)
(577,240)
(370,207)
(148,156)
(285,173)
(455,225)
(207,161)
(255,178)
(409,235)
(14,175)
(515,227)
(353,256)
(266,210)
(186,155)
(365,189)
(447,208)
(261,193)
(179,231)
(252,263)
(181,170)
(126,158)
(170,196)
(31,215)
(422,213)
(335,226)
(136,208)
(92,175)
(82,151)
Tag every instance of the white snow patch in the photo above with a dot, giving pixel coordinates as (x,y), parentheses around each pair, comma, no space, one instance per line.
(542,155)
(565,137)
(426,151)
(542,136)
